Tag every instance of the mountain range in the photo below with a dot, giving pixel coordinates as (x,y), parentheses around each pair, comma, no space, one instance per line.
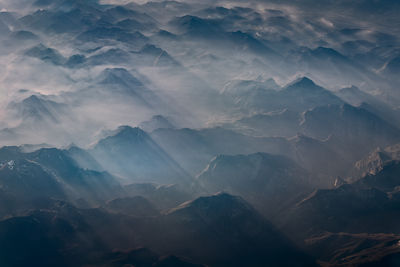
(199,133)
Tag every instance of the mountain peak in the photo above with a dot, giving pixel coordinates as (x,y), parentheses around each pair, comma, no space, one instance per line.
(126,131)
(194,24)
(32,100)
(132,153)
(118,76)
(189,19)
(39,101)
(38,108)
(46,54)
(302,82)
(123,134)
(151,49)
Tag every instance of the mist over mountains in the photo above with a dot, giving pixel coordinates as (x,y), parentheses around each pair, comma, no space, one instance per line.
(187,133)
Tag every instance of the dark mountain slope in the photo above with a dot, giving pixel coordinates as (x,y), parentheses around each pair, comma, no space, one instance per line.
(267,181)
(225,231)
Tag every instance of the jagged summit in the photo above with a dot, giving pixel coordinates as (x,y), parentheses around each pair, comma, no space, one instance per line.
(126,132)
(303,83)
(122,135)
(38,109)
